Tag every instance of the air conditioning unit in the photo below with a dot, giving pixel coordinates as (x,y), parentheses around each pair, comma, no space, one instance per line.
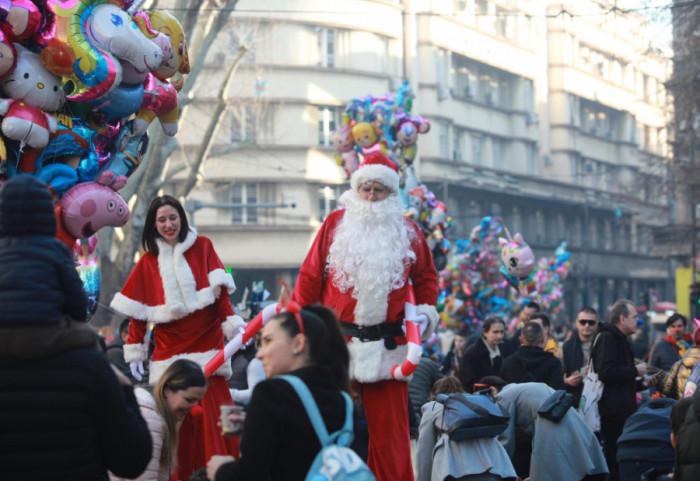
(548,160)
(531,118)
(456,155)
(443,92)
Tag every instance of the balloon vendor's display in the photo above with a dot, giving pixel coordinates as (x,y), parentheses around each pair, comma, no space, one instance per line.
(385,124)
(80,83)
(491,274)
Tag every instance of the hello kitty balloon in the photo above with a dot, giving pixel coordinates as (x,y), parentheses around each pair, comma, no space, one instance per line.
(33,92)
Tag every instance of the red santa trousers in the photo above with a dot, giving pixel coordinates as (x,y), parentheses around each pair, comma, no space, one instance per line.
(386,410)
(200,436)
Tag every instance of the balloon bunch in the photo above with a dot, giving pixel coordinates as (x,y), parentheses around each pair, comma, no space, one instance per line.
(81,81)
(484,268)
(383,124)
(549,277)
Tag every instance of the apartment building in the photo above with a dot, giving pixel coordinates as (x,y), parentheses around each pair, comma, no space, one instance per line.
(549,115)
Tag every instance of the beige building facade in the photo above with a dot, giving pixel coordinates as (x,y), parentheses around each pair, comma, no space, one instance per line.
(552,116)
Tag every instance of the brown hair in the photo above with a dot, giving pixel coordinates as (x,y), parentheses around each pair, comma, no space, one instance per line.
(150,233)
(180,375)
(446,385)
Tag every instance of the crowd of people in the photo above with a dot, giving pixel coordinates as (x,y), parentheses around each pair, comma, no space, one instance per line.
(142,408)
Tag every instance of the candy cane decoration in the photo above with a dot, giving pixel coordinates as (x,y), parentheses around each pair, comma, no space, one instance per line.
(415,349)
(241,339)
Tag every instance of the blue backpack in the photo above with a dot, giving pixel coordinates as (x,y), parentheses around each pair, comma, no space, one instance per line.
(336,461)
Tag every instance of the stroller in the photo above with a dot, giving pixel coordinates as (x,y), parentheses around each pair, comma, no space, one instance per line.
(645,443)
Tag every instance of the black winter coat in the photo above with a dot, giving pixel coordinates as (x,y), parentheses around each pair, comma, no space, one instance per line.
(476,364)
(687,466)
(533,364)
(279,443)
(38,282)
(574,360)
(614,363)
(66,417)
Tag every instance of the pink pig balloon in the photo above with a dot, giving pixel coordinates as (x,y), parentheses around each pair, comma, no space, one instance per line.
(87,207)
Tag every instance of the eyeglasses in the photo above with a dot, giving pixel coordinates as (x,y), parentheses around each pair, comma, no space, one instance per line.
(366,189)
(587,322)
(295,309)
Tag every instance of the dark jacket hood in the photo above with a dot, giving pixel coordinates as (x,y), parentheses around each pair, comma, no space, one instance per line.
(26,208)
(532,356)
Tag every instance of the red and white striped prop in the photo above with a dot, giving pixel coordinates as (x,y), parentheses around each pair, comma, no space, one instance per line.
(241,339)
(415,348)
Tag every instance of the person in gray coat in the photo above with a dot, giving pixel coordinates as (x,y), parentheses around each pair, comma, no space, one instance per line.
(567,450)
(438,458)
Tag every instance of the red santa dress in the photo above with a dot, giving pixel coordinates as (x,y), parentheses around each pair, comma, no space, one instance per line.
(184,291)
(385,400)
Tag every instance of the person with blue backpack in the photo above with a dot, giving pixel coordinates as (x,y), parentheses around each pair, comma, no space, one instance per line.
(301,409)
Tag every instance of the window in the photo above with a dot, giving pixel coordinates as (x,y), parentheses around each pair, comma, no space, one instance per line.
(326,46)
(441,66)
(458,140)
(327,200)
(575,166)
(444,139)
(328,120)
(476,141)
(530,158)
(243,124)
(497,153)
(245,194)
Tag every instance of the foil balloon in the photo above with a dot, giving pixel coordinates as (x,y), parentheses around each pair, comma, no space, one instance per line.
(90,39)
(33,91)
(161,97)
(89,270)
(344,144)
(89,206)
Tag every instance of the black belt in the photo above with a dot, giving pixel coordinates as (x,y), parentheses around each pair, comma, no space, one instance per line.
(372,333)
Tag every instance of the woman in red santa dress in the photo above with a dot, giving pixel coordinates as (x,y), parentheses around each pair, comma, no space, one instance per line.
(181,286)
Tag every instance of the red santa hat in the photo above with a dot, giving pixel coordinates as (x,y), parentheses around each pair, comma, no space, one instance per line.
(376,168)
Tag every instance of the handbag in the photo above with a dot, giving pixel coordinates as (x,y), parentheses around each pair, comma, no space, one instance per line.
(591,394)
(556,405)
(470,416)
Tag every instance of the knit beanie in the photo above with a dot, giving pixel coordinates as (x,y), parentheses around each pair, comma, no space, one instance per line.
(26,208)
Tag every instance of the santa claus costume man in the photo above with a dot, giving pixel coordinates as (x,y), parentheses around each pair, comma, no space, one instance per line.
(360,265)
(181,286)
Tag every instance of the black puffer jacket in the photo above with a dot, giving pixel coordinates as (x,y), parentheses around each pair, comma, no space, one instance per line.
(66,417)
(614,363)
(688,445)
(533,364)
(38,280)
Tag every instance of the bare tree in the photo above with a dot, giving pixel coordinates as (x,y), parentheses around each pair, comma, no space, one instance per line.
(202,22)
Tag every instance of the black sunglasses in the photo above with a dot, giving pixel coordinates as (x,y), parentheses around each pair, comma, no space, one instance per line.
(588,322)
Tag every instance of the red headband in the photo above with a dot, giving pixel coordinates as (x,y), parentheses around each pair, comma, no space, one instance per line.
(295,309)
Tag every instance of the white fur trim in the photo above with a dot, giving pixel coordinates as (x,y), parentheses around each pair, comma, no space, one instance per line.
(372,362)
(219,278)
(157,368)
(135,352)
(231,324)
(433,318)
(375,173)
(179,287)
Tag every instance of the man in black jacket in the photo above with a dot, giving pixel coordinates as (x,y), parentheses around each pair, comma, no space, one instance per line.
(531,363)
(576,352)
(614,363)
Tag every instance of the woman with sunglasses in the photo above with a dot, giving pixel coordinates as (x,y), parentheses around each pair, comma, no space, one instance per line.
(279,442)
(181,285)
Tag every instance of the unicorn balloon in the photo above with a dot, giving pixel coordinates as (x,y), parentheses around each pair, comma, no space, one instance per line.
(518,264)
(91,39)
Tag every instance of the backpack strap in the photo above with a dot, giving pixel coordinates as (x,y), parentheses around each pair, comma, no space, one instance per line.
(344,436)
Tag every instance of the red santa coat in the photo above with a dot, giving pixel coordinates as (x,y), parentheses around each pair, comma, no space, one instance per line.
(184,290)
(369,361)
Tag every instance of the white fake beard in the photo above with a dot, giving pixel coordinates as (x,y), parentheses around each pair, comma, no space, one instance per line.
(369,254)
